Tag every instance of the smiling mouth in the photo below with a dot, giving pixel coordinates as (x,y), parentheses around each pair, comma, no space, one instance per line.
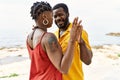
(61,23)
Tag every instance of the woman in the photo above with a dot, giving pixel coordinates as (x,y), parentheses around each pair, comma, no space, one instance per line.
(47,59)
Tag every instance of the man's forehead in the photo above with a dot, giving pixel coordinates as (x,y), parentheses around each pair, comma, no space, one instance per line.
(58,10)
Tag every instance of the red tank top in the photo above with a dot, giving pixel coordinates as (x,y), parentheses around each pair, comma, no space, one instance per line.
(41,66)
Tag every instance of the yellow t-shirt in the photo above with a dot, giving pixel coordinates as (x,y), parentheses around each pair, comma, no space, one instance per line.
(75,72)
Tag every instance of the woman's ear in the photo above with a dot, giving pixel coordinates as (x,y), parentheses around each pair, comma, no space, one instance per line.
(45,20)
(44,16)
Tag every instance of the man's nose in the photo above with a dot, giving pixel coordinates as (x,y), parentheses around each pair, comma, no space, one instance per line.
(58,19)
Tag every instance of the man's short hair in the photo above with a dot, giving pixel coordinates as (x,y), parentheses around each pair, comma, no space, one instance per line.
(61,5)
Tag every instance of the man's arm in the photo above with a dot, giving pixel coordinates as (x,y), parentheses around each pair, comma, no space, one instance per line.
(85,53)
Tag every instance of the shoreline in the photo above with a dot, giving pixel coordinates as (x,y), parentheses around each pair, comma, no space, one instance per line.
(23,46)
(15,63)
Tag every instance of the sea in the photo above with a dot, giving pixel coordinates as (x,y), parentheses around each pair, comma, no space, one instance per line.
(16,37)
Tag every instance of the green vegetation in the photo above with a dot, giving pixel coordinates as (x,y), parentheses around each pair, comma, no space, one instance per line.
(11,75)
(118,55)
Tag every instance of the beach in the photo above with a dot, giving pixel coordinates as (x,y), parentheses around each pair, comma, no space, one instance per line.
(105,63)
(15,63)
(100,19)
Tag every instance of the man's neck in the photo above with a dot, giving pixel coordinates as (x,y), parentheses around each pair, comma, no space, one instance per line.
(62,30)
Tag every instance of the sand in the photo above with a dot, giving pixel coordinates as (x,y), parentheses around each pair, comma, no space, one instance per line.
(15,63)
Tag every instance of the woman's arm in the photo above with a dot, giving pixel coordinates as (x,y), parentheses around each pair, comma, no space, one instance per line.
(54,50)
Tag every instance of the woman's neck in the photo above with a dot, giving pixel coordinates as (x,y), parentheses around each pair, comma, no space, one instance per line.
(42,28)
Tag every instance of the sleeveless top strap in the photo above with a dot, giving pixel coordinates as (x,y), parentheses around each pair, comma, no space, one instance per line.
(35,27)
(42,36)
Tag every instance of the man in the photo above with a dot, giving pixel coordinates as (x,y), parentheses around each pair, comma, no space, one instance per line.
(82,53)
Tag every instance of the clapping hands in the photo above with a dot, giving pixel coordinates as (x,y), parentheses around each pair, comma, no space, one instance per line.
(76,30)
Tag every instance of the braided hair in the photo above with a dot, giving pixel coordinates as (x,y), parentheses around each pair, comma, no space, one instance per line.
(38,8)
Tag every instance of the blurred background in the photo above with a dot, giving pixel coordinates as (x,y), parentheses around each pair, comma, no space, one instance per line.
(99,17)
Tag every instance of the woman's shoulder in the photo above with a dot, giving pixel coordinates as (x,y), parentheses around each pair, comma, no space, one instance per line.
(49,37)
(49,34)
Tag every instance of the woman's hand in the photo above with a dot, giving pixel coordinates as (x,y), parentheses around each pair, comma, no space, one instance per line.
(79,33)
(76,30)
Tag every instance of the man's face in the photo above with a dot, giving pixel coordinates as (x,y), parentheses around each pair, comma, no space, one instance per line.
(60,18)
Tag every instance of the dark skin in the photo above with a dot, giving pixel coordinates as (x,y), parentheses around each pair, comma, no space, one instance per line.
(50,44)
(60,19)
(86,54)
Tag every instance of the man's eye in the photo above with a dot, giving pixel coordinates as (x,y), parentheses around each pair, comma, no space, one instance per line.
(55,16)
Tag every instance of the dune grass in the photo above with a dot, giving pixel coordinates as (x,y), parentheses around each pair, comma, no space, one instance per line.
(11,75)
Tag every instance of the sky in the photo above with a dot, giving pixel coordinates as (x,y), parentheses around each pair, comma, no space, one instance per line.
(14,14)
(97,15)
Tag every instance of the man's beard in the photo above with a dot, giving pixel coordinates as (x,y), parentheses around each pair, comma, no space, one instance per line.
(63,26)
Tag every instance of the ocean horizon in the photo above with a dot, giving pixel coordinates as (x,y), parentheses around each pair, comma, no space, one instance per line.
(17,38)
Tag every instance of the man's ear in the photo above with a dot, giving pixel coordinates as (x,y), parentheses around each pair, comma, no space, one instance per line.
(67,14)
